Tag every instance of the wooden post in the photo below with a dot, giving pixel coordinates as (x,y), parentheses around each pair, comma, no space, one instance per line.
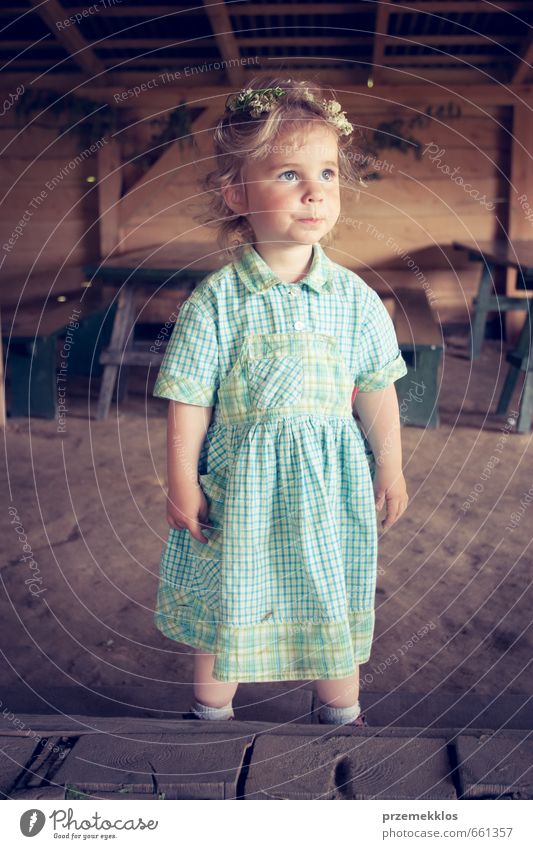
(109,194)
(521,187)
(2,387)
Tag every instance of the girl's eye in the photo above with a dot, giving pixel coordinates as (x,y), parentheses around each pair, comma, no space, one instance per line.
(288,172)
(328,171)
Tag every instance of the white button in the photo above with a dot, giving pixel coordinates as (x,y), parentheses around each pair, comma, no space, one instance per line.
(299,325)
(294,290)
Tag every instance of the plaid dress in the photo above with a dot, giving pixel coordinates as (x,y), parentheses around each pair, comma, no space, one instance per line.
(284,588)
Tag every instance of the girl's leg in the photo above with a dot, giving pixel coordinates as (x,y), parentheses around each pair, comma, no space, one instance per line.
(207,690)
(339,692)
(340,699)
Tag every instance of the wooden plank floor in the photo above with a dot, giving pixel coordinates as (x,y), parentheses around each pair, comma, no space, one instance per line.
(135,757)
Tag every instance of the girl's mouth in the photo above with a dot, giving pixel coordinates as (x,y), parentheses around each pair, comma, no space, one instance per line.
(309,220)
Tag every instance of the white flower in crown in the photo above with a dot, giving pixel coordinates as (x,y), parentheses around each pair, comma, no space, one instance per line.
(335,115)
(263,100)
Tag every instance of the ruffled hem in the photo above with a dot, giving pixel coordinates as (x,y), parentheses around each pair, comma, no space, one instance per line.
(268,651)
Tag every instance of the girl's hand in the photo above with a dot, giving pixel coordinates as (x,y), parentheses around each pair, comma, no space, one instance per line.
(187,509)
(390,489)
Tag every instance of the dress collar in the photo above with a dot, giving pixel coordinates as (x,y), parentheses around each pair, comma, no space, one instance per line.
(257,275)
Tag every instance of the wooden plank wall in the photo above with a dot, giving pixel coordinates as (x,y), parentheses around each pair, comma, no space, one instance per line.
(59,217)
(413,208)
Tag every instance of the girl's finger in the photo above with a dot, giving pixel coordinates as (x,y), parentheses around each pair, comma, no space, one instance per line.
(196,531)
(393,511)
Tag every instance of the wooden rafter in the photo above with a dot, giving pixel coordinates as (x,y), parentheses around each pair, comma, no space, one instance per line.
(524,66)
(226,42)
(462,59)
(410,6)
(70,37)
(206,85)
(467,62)
(286,41)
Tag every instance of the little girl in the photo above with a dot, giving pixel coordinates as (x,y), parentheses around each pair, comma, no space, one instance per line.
(269,570)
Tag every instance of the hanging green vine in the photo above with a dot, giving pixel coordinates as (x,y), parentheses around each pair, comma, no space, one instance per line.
(396,134)
(92,121)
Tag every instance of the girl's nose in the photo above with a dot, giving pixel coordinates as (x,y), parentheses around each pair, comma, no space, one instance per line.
(313,192)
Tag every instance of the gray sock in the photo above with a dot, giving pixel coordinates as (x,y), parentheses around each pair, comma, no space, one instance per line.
(206,712)
(339,716)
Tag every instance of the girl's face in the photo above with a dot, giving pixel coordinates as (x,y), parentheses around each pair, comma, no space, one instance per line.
(292,195)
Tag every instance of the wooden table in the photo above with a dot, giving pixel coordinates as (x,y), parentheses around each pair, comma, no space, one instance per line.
(497,254)
(162,267)
(519,255)
(153,268)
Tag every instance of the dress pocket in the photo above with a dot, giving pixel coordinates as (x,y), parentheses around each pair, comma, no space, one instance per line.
(275,381)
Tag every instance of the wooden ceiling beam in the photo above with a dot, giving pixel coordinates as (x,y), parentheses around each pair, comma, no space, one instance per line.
(464,6)
(259,41)
(297,40)
(258,9)
(407,8)
(154,43)
(414,40)
(451,78)
(52,12)
(446,58)
(158,10)
(201,88)
(381,28)
(175,64)
(227,44)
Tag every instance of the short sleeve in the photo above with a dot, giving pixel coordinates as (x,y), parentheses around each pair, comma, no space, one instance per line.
(380,361)
(189,371)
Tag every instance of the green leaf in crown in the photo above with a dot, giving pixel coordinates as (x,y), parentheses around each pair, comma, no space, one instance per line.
(256,101)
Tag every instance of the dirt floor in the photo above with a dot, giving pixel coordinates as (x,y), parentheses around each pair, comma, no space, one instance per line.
(454,594)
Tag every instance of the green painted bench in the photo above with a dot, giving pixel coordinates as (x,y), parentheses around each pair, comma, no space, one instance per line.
(420,341)
(34,338)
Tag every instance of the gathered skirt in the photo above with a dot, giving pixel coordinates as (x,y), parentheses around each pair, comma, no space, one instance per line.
(284,588)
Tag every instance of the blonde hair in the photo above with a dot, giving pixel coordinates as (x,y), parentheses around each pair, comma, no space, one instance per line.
(240,138)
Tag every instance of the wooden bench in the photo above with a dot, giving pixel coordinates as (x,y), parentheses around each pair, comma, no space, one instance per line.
(517,254)
(124,349)
(420,342)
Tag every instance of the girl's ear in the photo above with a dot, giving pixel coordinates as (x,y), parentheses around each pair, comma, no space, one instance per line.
(235,198)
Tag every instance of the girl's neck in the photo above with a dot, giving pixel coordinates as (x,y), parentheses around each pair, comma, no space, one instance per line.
(288,262)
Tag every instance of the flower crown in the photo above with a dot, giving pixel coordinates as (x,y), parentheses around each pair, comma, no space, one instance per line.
(261,100)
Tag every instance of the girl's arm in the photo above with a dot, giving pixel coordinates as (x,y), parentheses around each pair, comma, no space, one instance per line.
(187,426)
(380,417)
